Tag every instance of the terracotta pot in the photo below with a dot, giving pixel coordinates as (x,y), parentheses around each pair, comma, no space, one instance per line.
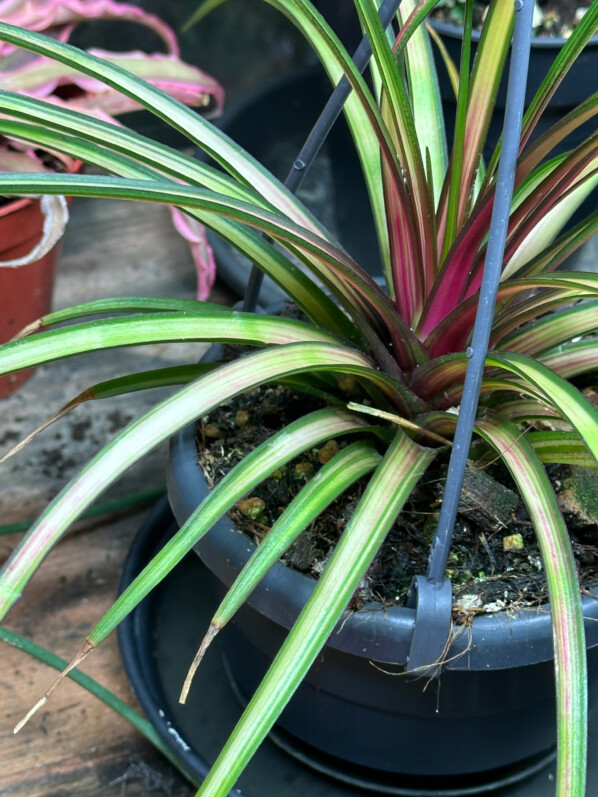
(25,292)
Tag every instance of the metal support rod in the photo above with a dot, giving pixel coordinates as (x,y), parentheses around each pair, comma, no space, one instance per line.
(317,137)
(492,270)
(432,596)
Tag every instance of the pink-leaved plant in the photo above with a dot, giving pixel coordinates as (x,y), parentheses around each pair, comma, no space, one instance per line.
(41,77)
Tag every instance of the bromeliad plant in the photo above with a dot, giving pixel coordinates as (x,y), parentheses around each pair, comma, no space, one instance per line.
(36,75)
(406,347)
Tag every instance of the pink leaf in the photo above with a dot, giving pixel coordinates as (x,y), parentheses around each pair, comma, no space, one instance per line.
(43,77)
(456,270)
(45,15)
(195,235)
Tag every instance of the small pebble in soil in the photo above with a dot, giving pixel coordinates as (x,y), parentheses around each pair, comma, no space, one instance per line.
(327,451)
(466,603)
(212,431)
(513,542)
(241,417)
(251,507)
(303,471)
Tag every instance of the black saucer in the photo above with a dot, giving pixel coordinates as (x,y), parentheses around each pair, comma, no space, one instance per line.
(158,642)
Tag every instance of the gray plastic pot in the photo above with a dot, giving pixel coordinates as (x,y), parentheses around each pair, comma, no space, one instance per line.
(493,706)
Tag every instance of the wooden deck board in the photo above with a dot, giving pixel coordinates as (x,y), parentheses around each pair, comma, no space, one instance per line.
(76,745)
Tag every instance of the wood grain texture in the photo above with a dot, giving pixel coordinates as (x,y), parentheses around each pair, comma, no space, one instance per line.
(77,746)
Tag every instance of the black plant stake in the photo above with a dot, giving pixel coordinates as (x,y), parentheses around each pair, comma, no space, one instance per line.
(432,594)
(317,137)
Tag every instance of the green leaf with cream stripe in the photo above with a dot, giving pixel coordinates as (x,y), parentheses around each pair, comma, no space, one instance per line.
(573,358)
(331,481)
(81,130)
(562,448)
(158,425)
(194,127)
(109,333)
(127,304)
(388,489)
(275,452)
(363,299)
(315,303)
(562,395)
(552,330)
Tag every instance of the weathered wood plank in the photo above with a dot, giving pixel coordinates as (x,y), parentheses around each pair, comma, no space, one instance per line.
(77,746)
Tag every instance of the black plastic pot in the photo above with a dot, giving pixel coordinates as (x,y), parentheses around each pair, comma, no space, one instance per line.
(272,123)
(577,86)
(493,706)
(158,641)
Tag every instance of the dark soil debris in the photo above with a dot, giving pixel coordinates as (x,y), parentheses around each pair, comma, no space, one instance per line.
(552,18)
(487,575)
(79,428)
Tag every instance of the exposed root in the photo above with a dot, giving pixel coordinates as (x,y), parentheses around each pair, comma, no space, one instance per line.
(206,642)
(443,659)
(87,648)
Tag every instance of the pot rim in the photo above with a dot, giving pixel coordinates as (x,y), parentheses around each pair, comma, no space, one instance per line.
(493,641)
(540,42)
(15,205)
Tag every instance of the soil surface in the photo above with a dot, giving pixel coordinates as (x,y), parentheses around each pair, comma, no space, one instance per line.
(495,561)
(552,18)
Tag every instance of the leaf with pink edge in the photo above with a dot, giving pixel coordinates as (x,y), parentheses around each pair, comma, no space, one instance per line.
(565,604)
